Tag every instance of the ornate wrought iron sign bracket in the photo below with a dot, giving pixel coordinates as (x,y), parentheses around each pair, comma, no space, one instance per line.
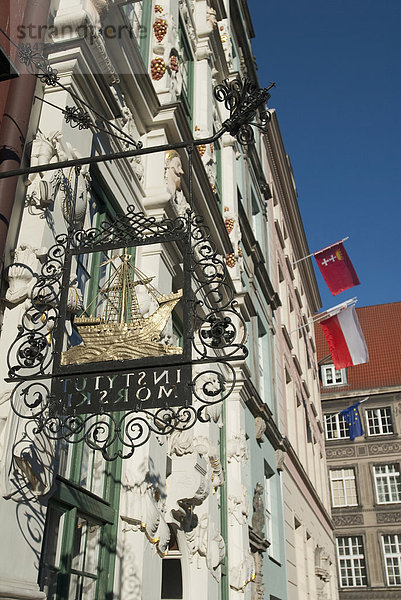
(102,373)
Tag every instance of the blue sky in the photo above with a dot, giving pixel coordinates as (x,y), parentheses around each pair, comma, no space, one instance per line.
(336,64)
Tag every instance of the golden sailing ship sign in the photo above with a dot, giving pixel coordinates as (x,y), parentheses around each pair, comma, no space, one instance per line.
(121,382)
(117,330)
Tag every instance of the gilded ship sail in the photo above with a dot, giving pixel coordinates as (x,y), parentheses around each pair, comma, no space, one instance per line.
(117,330)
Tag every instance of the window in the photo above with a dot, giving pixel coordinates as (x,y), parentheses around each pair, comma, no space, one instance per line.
(351,561)
(79,550)
(187,67)
(392,557)
(139,16)
(379,421)
(217,151)
(343,487)
(333,376)
(388,483)
(336,426)
(172,571)
(77,554)
(272,504)
(268,504)
(262,360)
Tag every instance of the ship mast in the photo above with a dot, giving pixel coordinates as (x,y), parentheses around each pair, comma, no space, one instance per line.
(118,295)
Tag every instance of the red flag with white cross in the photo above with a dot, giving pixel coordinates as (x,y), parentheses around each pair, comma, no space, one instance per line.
(336,268)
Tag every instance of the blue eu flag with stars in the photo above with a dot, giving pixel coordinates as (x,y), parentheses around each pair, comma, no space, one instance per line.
(353,418)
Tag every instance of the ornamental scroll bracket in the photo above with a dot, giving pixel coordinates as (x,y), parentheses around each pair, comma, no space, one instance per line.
(246,102)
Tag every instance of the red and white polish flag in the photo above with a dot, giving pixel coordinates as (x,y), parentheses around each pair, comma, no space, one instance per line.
(336,268)
(345,339)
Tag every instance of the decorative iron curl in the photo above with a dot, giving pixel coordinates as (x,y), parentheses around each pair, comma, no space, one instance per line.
(30,400)
(219,327)
(110,433)
(37,64)
(132,226)
(76,117)
(212,386)
(31,353)
(244,100)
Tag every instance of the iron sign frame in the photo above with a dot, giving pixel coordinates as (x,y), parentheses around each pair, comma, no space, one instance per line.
(215,333)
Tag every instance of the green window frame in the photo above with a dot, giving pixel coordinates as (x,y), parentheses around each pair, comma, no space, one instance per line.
(217,150)
(139,16)
(187,68)
(79,549)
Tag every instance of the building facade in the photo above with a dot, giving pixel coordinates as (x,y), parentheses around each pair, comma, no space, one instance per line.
(235,507)
(310,556)
(364,474)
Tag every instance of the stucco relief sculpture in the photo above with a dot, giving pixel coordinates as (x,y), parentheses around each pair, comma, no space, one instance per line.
(237,448)
(129,127)
(211,545)
(84,20)
(22,272)
(165,66)
(205,541)
(225,37)
(258,517)
(260,428)
(238,506)
(211,18)
(144,506)
(280,459)
(101,7)
(234,231)
(217,468)
(173,172)
(242,573)
(258,588)
(45,188)
(181,442)
(41,186)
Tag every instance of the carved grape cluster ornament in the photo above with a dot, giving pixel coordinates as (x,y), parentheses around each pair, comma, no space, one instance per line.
(223,36)
(229,223)
(174,63)
(158,8)
(160,29)
(157,68)
(202,149)
(230,260)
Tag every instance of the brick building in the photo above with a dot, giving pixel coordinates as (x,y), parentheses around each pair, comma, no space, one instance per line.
(364,475)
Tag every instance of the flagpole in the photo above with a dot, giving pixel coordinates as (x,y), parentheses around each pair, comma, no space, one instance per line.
(322,250)
(360,402)
(330,312)
(327,313)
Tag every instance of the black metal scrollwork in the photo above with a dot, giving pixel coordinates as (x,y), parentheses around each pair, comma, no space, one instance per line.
(131,226)
(76,117)
(31,353)
(216,335)
(37,64)
(245,101)
(218,323)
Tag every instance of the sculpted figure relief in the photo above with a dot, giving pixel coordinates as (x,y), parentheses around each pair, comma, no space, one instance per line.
(258,517)
(44,188)
(172,173)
